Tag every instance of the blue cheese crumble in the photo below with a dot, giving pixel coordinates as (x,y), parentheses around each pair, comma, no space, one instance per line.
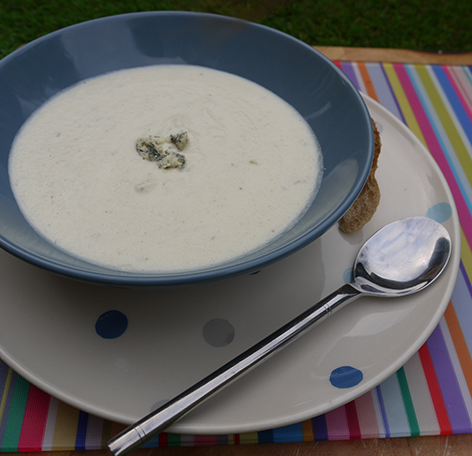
(162,151)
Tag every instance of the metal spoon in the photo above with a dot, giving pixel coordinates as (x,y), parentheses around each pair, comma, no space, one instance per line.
(402,258)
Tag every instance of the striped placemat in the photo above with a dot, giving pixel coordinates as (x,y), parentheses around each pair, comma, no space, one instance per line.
(430,395)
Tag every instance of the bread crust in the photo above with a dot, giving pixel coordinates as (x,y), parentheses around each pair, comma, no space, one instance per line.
(366,204)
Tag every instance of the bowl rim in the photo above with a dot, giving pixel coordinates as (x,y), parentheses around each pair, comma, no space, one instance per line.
(118,278)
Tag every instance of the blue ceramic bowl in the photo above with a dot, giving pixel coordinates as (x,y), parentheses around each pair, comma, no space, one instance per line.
(293,70)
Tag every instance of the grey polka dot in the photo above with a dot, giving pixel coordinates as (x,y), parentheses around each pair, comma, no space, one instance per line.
(218,332)
(158,404)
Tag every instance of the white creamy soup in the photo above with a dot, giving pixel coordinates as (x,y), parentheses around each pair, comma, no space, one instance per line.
(236,166)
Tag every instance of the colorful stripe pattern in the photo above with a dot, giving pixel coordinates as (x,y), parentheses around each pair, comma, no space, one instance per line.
(430,395)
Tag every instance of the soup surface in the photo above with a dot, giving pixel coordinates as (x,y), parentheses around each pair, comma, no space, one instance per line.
(250,167)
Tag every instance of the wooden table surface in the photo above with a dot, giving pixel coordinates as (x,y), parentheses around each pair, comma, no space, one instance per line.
(450,445)
(453,445)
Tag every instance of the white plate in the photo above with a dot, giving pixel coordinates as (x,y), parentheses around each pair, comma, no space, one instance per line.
(48,333)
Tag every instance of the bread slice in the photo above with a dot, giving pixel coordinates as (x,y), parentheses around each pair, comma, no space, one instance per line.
(366,204)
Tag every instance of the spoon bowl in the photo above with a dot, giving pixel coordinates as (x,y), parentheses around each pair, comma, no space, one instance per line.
(402,258)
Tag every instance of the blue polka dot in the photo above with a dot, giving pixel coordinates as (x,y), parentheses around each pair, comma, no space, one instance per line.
(111,324)
(440,212)
(348,275)
(345,377)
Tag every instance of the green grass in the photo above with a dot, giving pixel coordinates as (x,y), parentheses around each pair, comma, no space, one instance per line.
(432,25)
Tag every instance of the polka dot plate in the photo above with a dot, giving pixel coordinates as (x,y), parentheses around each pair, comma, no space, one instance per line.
(119,353)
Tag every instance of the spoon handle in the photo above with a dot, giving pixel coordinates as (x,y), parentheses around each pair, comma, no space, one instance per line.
(160,419)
